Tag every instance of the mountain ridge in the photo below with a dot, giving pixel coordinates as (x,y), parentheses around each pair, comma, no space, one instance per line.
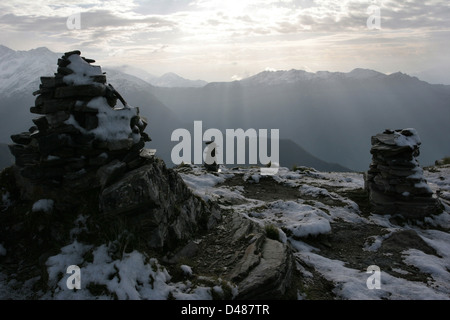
(332,119)
(293,76)
(171,79)
(174,80)
(168,79)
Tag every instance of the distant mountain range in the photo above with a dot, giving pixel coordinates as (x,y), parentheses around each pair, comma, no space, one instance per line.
(16,67)
(20,70)
(280,77)
(20,73)
(167,80)
(293,155)
(331,114)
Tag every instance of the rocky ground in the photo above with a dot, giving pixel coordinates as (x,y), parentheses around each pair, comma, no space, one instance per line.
(413,256)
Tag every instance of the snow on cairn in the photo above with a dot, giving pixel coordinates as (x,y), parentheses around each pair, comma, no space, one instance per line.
(82,71)
(412,140)
(113,124)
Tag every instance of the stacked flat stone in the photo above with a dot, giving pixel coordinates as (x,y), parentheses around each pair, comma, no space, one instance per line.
(395,180)
(80,130)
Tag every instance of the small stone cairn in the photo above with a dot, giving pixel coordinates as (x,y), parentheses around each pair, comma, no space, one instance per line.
(395,180)
(80,131)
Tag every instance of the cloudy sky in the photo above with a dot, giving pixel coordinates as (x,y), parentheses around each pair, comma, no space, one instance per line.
(222,40)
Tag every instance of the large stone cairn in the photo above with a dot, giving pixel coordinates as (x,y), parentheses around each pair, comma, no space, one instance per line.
(83,147)
(80,131)
(395,180)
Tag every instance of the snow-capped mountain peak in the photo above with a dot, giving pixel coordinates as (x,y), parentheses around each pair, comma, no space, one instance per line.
(172,80)
(5,51)
(294,76)
(168,80)
(20,70)
(17,70)
(400,76)
(123,81)
(278,77)
(360,73)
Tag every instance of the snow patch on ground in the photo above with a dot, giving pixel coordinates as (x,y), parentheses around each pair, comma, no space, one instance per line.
(45,205)
(6,201)
(186,269)
(80,224)
(201,184)
(341,180)
(301,220)
(352,284)
(376,242)
(436,266)
(134,276)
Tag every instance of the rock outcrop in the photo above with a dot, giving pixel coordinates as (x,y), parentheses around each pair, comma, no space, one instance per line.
(395,180)
(157,199)
(238,250)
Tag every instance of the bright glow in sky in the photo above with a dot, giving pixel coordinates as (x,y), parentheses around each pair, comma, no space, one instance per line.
(218,40)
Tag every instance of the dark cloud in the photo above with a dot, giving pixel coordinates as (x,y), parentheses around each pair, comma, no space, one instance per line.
(33,23)
(104,18)
(399,15)
(246,19)
(162,7)
(214,22)
(394,15)
(99,19)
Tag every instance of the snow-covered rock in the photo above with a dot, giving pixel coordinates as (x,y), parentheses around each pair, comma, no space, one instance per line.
(45,205)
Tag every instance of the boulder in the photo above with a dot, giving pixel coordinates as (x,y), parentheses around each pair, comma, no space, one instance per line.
(270,277)
(158,200)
